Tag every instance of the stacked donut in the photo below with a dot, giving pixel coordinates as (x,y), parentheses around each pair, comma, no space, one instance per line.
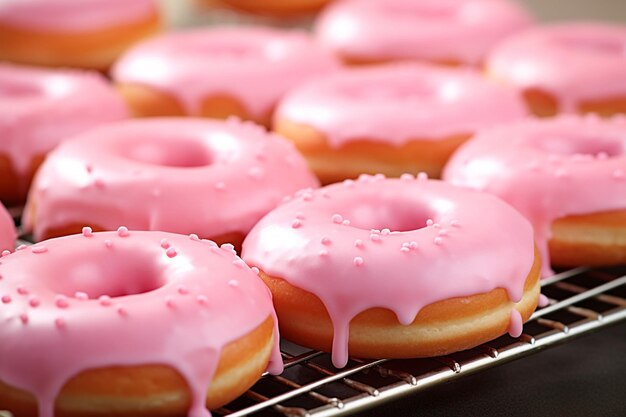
(138,223)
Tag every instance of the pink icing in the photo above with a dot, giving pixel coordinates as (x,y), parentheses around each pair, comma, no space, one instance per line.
(548,169)
(594,55)
(516,324)
(41,107)
(8,233)
(73,16)
(543,301)
(399,244)
(179,311)
(401,102)
(433,30)
(254,65)
(178,175)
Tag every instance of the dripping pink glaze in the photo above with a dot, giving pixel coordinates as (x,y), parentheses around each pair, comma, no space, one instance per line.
(594,55)
(41,107)
(402,269)
(254,65)
(400,102)
(548,169)
(179,175)
(158,323)
(516,324)
(543,301)
(70,16)
(8,233)
(433,30)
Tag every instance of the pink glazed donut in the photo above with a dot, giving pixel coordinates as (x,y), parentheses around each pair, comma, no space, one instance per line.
(213,178)
(8,234)
(567,67)
(73,33)
(396,268)
(391,119)
(38,109)
(131,324)
(218,72)
(450,32)
(566,175)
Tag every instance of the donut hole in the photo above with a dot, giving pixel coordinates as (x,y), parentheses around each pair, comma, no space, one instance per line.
(395,217)
(604,45)
(579,145)
(127,274)
(174,152)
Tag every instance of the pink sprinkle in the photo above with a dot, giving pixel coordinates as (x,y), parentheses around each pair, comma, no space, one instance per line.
(171,252)
(443,233)
(326,241)
(296,224)
(105,300)
(81,296)
(202,299)
(108,243)
(437,226)
(220,186)
(255,270)
(429,222)
(323,253)
(194,236)
(348,183)
(455,223)
(407,177)
(228,247)
(22,291)
(24,318)
(89,168)
(39,249)
(337,218)
(87,231)
(346,222)
(169,302)
(438,241)
(358,243)
(385,232)
(121,311)
(6,299)
(182,290)
(239,263)
(34,302)
(405,249)
(21,247)
(618,174)
(300,215)
(60,323)
(61,301)
(422,176)
(165,243)
(6,252)
(375,237)
(358,261)
(233,283)
(122,231)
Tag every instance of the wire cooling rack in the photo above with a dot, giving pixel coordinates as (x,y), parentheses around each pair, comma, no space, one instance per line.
(581,300)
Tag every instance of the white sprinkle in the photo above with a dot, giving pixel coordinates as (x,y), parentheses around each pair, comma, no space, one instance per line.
(336,218)
(422,176)
(358,261)
(122,231)
(39,249)
(87,231)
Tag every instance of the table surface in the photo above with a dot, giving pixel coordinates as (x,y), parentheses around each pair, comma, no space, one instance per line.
(584,377)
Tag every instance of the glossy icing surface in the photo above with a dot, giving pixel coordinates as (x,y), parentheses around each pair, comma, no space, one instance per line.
(400,244)
(41,107)
(178,175)
(594,55)
(73,16)
(79,296)
(434,30)
(548,169)
(7,230)
(253,65)
(400,102)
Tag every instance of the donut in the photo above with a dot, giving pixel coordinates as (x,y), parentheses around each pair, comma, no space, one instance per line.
(396,268)
(566,175)
(131,324)
(213,178)
(577,67)
(8,234)
(391,119)
(275,7)
(68,33)
(218,72)
(449,32)
(38,109)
